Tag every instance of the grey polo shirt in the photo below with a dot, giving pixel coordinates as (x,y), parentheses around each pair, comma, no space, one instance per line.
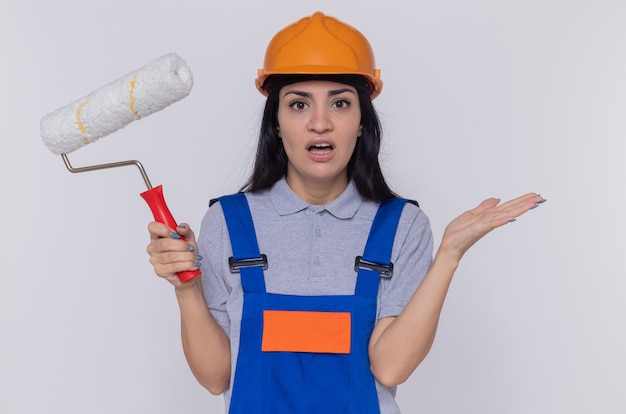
(311,251)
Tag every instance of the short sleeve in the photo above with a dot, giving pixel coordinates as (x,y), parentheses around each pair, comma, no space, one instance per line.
(211,246)
(412,256)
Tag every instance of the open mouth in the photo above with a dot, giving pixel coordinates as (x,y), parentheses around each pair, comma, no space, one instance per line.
(321,148)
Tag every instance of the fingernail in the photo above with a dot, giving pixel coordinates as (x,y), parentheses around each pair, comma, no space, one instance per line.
(197,264)
(512,220)
(191,248)
(174,235)
(198,257)
(542,201)
(182,226)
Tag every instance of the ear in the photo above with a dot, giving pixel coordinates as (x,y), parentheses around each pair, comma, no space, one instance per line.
(278,131)
(360,131)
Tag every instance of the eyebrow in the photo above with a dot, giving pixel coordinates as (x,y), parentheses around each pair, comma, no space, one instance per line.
(309,95)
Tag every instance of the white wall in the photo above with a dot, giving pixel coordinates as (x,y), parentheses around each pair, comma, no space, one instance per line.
(482,98)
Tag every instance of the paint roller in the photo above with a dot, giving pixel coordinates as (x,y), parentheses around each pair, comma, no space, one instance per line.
(158,84)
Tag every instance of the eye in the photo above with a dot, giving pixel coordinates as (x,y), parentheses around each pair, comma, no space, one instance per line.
(341,104)
(298,105)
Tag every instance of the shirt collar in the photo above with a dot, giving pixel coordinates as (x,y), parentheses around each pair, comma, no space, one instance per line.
(286,202)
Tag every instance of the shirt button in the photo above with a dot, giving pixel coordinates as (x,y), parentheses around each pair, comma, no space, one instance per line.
(318,233)
(316,261)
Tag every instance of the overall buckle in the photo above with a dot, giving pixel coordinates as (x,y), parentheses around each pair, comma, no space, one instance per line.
(236,265)
(386,271)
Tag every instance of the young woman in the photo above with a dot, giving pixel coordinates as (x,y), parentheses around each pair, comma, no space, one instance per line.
(319,292)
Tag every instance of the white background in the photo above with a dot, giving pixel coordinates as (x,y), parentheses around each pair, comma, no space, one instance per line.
(481,98)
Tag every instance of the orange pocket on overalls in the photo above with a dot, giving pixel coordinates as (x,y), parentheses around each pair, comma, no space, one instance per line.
(305,331)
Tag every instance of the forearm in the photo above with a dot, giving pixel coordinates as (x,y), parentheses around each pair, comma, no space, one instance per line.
(206,346)
(400,345)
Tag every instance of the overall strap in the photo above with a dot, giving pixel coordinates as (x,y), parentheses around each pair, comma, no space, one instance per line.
(247,258)
(376,259)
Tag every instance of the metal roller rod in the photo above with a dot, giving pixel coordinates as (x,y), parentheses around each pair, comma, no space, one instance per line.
(107,166)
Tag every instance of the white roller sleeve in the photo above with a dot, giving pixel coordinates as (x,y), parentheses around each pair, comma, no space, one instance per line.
(136,95)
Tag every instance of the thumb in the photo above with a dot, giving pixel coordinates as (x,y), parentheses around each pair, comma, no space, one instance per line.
(185,230)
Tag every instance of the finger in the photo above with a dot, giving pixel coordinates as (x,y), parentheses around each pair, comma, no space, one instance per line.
(170,244)
(485,205)
(158,230)
(531,198)
(185,230)
(521,205)
(187,257)
(169,270)
(174,262)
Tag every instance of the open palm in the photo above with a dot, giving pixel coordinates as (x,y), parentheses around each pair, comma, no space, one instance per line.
(471,226)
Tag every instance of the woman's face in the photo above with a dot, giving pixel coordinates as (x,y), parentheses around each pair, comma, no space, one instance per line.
(319,124)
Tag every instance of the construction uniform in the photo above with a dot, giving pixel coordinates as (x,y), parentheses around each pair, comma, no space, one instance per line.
(297,238)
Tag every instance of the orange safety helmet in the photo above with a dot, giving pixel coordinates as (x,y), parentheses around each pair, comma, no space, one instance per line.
(320,45)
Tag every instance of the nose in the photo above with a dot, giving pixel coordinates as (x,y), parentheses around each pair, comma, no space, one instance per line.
(320,120)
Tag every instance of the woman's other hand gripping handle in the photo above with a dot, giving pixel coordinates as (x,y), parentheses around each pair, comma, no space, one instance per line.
(170,253)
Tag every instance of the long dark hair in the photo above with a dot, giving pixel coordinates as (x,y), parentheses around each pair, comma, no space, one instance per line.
(363,168)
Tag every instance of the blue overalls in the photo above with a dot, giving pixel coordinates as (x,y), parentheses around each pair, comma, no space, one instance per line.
(306,354)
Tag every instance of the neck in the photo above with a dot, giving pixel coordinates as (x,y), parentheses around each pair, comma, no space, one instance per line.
(317,192)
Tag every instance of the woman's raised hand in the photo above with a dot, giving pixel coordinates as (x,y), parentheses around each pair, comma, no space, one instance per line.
(170,254)
(471,226)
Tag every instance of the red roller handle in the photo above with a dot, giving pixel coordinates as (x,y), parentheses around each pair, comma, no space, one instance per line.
(156,202)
